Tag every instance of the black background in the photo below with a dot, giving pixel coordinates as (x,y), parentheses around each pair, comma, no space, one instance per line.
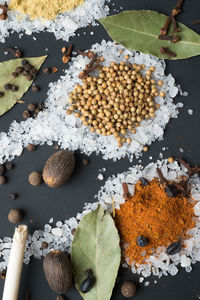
(41,203)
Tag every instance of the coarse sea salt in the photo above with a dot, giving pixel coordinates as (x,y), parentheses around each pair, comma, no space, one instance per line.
(63,27)
(53,124)
(158,264)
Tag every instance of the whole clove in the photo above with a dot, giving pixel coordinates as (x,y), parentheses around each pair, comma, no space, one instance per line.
(89,53)
(4,14)
(85,73)
(171,38)
(175,25)
(167,52)
(177,9)
(126,194)
(191,171)
(67,56)
(165,28)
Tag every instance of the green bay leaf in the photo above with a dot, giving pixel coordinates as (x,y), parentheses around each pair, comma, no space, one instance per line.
(96,246)
(6,69)
(139,30)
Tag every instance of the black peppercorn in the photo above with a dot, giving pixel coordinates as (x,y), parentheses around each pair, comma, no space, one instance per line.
(13,196)
(24,62)
(1,169)
(35,178)
(31,107)
(40,106)
(29,77)
(19,70)
(2,180)
(14,88)
(128,289)
(31,147)
(26,114)
(142,241)
(9,166)
(15,216)
(15,74)
(1,94)
(7,86)
(35,88)
(174,248)
(47,70)
(37,110)
(44,245)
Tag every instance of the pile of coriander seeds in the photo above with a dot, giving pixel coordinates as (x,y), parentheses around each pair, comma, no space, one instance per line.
(117,100)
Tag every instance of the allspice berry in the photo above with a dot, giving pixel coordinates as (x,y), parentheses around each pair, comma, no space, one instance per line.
(2,180)
(128,289)
(35,178)
(15,216)
(31,147)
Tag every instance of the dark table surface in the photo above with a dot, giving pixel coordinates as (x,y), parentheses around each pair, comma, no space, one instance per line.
(41,203)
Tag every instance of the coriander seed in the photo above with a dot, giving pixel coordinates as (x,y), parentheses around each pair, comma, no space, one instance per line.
(15,216)
(128,289)
(35,178)
(2,180)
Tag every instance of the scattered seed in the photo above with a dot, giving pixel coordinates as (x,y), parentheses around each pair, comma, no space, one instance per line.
(21,101)
(64,49)
(3,274)
(170,160)
(13,196)
(31,107)
(40,106)
(31,147)
(145,149)
(73,231)
(15,74)
(44,245)
(54,70)
(128,289)
(15,216)
(47,70)
(35,178)
(7,86)
(26,114)
(9,166)
(14,88)
(35,88)
(85,162)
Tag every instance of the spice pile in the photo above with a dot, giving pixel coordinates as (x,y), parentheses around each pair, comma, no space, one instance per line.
(53,124)
(117,100)
(150,219)
(64,26)
(60,235)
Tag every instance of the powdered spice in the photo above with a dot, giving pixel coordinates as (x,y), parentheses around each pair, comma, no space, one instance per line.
(151,213)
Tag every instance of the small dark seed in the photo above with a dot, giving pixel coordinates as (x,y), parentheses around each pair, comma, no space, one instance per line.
(3,274)
(33,71)
(37,110)
(26,114)
(144,181)
(87,284)
(44,245)
(1,94)
(18,53)
(85,162)
(14,88)
(25,73)
(28,67)
(31,147)
(73,231)
(35,115)
(7,86)
(24,62)
(47,70)
(142,241)
(40,106)
(174,248)
(31,107)
(1,169)
(88,273)
(128,289)
(35,88)
(9,166)
(29,77)
(13,196)
(171,190)
(2,180)
(15,74)
(19,70)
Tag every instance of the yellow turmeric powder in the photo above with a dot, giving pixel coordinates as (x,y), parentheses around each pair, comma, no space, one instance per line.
(151,213)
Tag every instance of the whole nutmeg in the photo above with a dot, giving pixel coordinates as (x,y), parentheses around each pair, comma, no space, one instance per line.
(15,216)
(58,168)
(35,178)
(128,289)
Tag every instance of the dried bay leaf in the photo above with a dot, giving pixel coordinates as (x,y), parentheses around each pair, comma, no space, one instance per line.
(139,30)
(96,246)
(6,69)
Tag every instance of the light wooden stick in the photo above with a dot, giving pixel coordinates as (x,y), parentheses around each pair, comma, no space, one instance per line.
(13,274)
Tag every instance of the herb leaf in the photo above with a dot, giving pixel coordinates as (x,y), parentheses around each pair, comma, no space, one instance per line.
(96,247)
(139,30)
(6,69)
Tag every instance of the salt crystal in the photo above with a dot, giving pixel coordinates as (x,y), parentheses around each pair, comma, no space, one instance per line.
(100,177)
(57,231)
(190,112)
